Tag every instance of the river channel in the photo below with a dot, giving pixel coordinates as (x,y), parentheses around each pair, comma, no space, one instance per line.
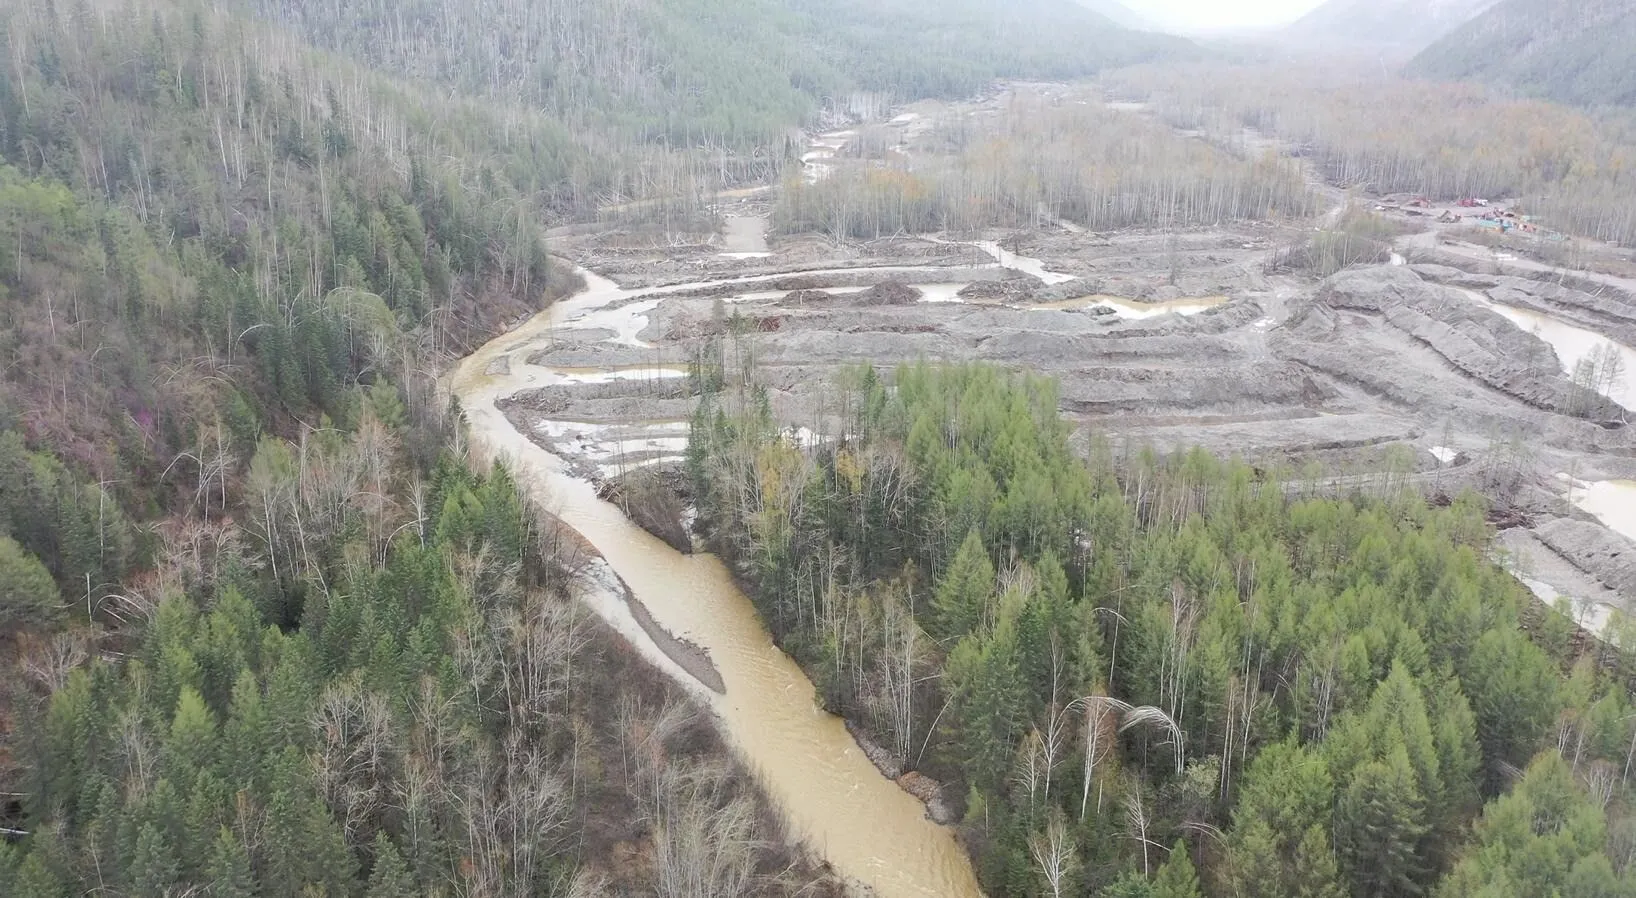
(869,829)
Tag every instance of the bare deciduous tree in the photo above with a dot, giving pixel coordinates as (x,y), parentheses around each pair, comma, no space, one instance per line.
(355,761)
(1053,853)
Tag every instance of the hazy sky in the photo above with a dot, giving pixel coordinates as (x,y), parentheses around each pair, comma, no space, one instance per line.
(1217,14)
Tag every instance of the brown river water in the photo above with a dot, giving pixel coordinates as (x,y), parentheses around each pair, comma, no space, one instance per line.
(832,797)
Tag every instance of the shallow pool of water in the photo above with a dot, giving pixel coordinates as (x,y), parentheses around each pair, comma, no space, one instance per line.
(1613,502)
(1133,310)
(1572,344)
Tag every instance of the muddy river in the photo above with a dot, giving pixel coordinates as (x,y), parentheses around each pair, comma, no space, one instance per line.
(870,830)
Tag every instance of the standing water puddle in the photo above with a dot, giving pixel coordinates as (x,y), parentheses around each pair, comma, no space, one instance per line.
(1613,502)
(1135,311)
(1572,344)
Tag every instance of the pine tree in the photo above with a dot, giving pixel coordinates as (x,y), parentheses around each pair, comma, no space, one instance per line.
(229,868)
(963,595)
(1176,878)
(391,877)
(1379,823)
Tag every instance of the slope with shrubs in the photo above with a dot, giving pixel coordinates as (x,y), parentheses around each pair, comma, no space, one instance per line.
(1406,24)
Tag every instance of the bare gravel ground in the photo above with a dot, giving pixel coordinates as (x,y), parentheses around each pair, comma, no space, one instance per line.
(1378,370)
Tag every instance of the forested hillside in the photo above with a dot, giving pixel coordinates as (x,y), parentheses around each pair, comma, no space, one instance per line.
(1404,24)
(728,75)
(214,234)
(1144,677)
(264,634)
(1119,14)
(1581,52)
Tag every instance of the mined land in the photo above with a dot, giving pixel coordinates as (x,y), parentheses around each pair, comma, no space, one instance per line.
(1419,373)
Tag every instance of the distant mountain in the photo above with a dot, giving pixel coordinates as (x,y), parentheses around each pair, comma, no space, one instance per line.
(1573,51)
(1119,14)
(1404,24)
(740,72)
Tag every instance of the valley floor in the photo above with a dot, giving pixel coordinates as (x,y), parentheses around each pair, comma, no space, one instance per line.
(1163,339)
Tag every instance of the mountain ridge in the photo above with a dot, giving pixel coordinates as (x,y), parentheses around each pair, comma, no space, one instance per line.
(739,72)
(1120,14)
(1580,52)
(1404,24)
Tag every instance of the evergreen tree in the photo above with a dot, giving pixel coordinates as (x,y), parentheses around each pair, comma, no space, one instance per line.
(1279,839)
(964,594)
(192,744)
(1544,838)
(1312,869)
(35,879)
(1512,686)
(1460,762)
(987,701)
(1176,878)
(229,868)
(1379,825)
(391,877)
(154,869)
(28,596)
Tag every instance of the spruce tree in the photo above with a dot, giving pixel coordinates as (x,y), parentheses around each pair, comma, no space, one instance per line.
(154,869)
(1176,878)
(391,877)
(963,595)
(1379,823)
(229,868)
(28,596)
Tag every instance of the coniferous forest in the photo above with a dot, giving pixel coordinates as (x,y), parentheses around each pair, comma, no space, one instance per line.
(265,632)
(1173,677)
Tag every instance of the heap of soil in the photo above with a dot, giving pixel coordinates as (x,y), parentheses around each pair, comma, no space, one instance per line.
(889,293)
(1480,343)
(1008,290)
(806,297)
(655,499)
(796,282)
(1073,289)
(930,792)
(1598,551)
